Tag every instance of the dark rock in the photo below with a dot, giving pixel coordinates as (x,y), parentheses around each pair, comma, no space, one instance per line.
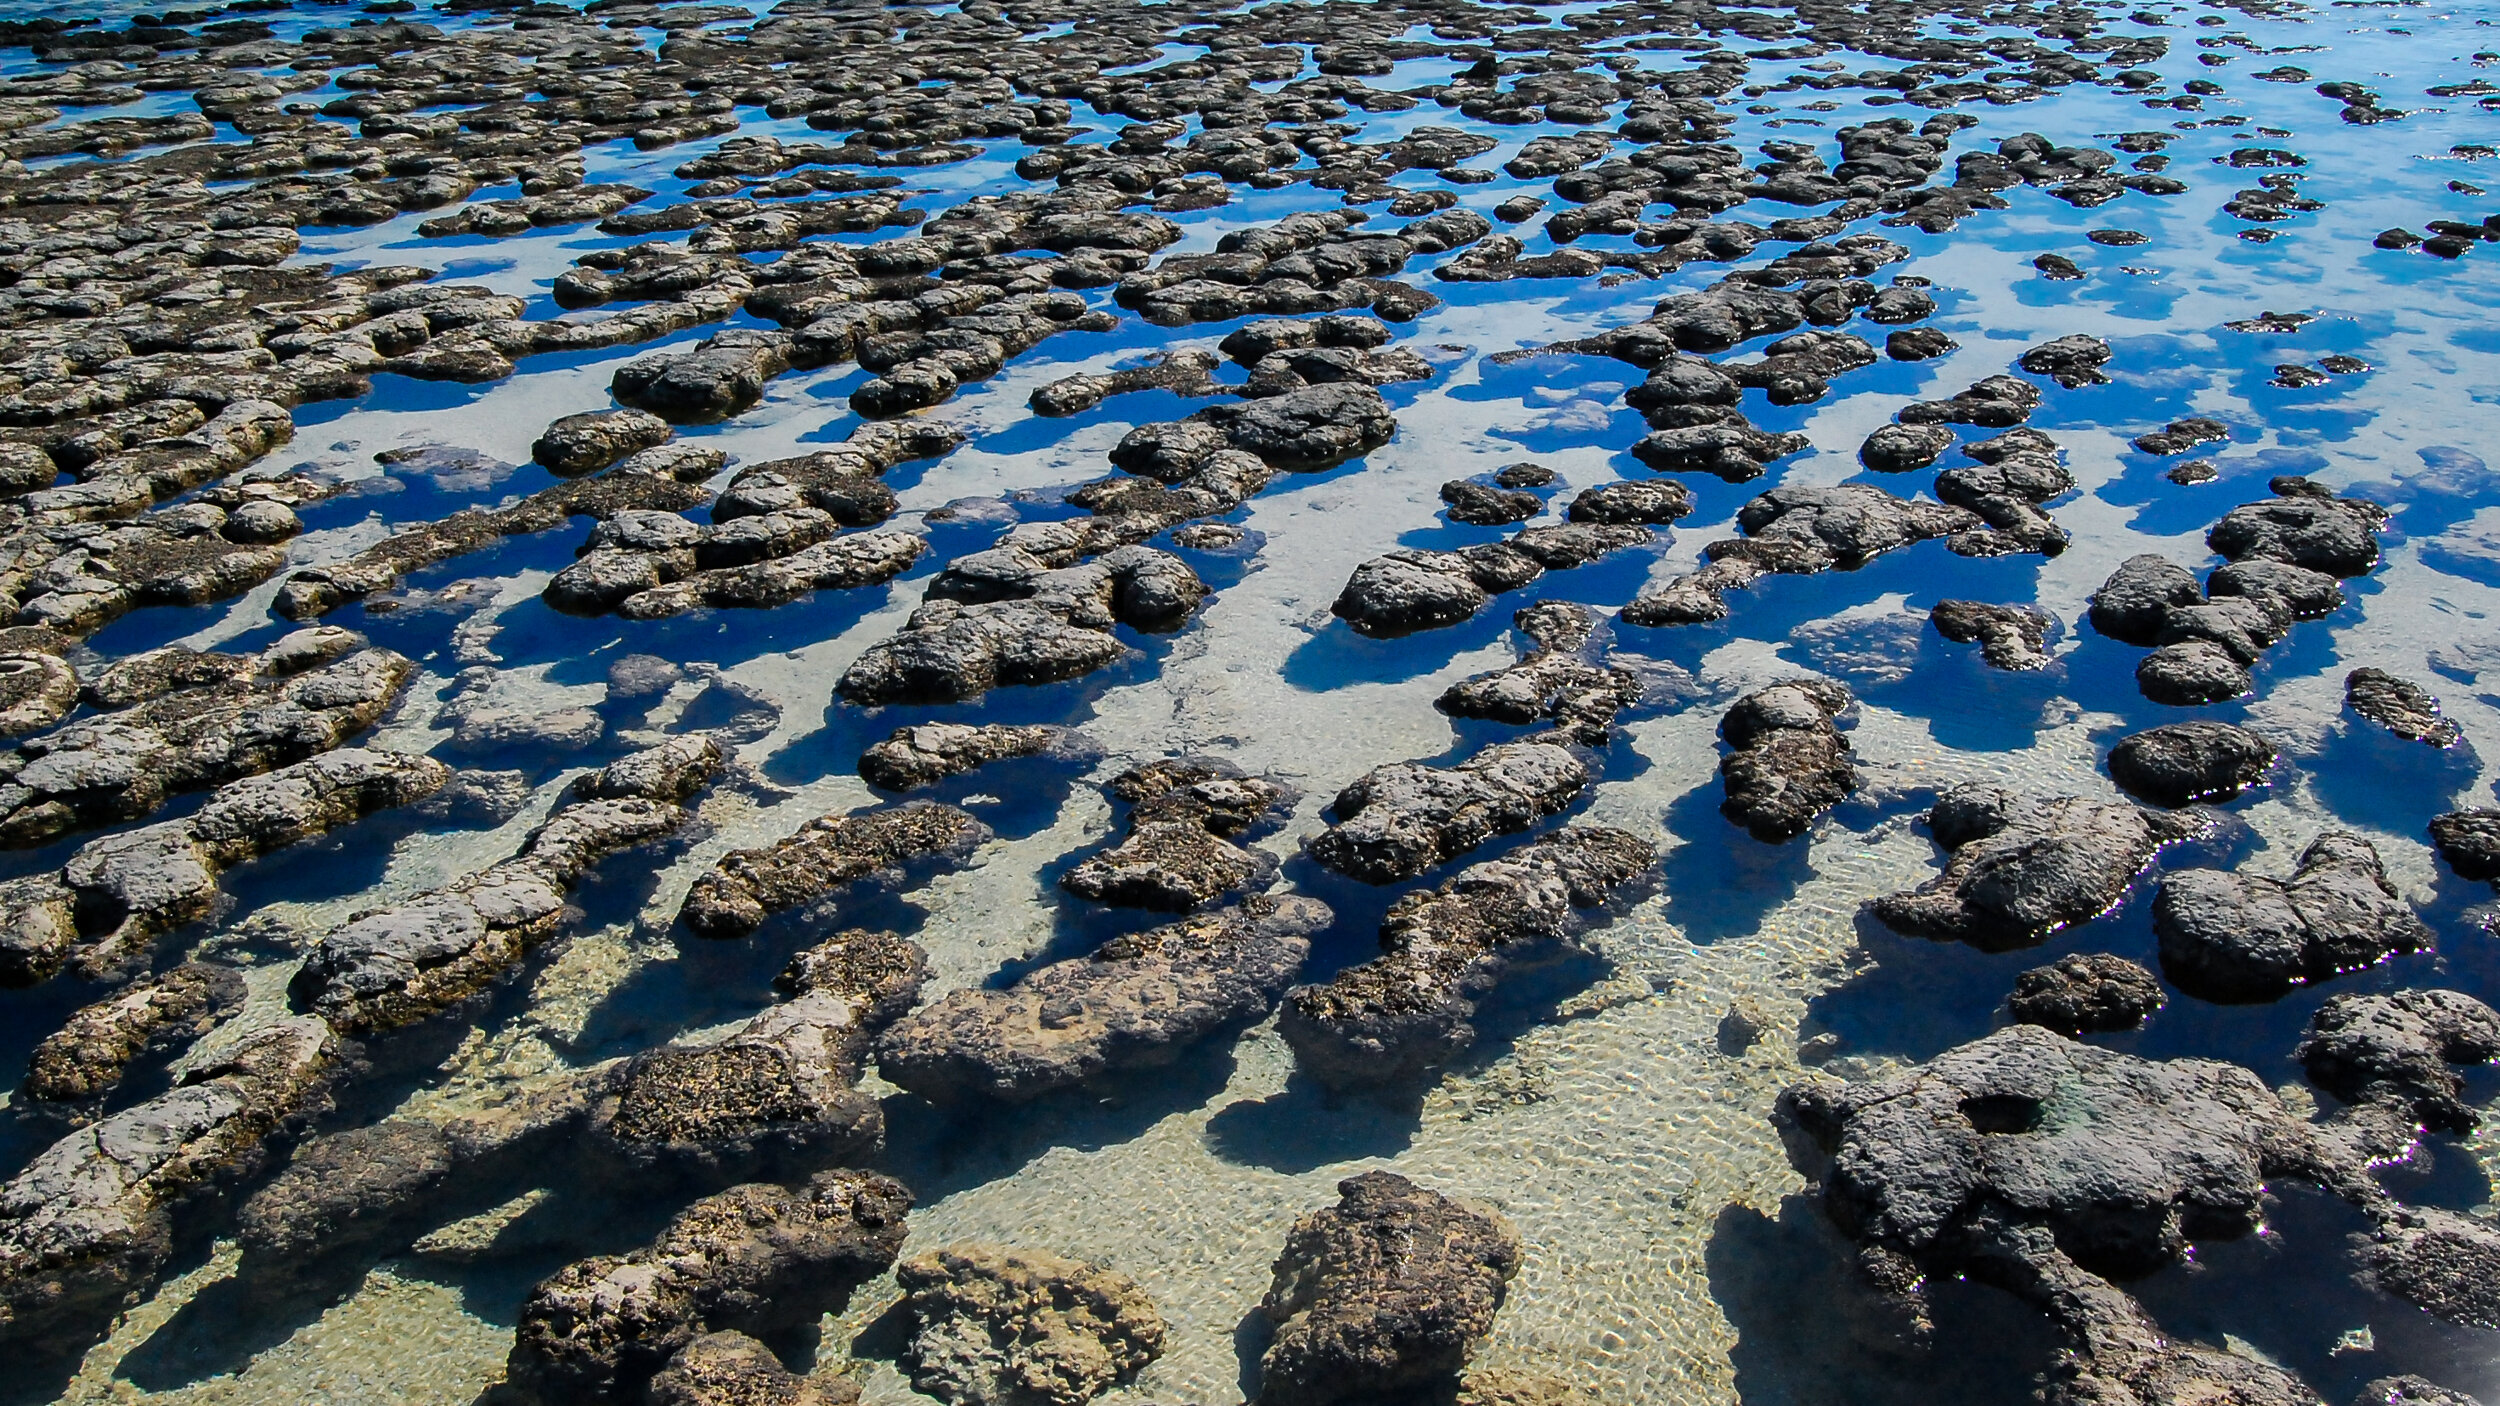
(581,444)
(919,756)
(2409,1390)
(2087,993)
(2011,637)
(2244,937)
(1001,1327)
(1415,589)
(1407,1011)
(1853,522)
(1918,344)
(2470,841)
(2182,763)
(719,378)
(1524,475)
(1186,816)
(85,1059)
(1311,428)
(1137,1002)
(2298,592)
(1558,680)
(1897,449)
(756,1259)
(2401,706)
(1475,503)
(1788,763)
(2192,673)
(2131,606)
(2180,436)
(1405,818)
(2396,1047)
(732,1369)
(2446,1263)
(828,855)
(1648,502)
(2020,869)
(1388,1291)
(2071,361)
(2337,536)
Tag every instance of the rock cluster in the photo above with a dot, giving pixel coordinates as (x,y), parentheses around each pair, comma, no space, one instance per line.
(1558,681)
(1402,819)
(2020,869)
(2204,639)
(2246,937)
(1186,817)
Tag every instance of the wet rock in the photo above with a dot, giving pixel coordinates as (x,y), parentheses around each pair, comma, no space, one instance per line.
(122,766)
(774,1098)
(1186,817)
(1400,820)
(2020,869)
(2245,937)
(1525,475)
(2180,436)
(85,1059)
(2401,706)
(1391,1290)
(2087,993)
(828,855)
(1489,507)
(1648,502)
(2469,840)
(2397,1047)
(1558,680)
(2410,1390)
(1407,1011)
(2010,637)
(2138,597)
(924,755)
(732,1369)
(754,1259)
(720,377)
(2297,592)
(1000,1327)
(36,691)
(86,1226)
(1853,522)
(2193,672)
(1054,624)
(2438,1260)
(1312,428)
(586,443)
(1896,449)
(1787,762)
(418,959)
(2182,763)
(1918,344)
(1991,403)
(2337,536)
(1417,589)
(1186,373)
(1136,1002)
(2072,361)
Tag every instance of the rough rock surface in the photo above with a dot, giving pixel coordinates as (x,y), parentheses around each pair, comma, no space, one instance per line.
(1186,818)
(1560,680)
(732,1369)
(754,1258)
(2020,869)
(1387,1292)
(1400,820)
(2245,937)
(2397,1047)
(1788,762)
(924,755)
(85,1059)
(2086,993)
(2011,637)
(2401,706)
(2470,841)
(2180,764)
(828,855)
(1001,1327)
(1406,1011)
(1136,1002)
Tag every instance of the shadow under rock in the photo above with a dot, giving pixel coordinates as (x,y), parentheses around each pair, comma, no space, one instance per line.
(1726,881)
(1307,1126)
(2369,776)
(1788,1287)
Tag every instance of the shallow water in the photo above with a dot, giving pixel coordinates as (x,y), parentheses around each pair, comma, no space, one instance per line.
(1669,1255)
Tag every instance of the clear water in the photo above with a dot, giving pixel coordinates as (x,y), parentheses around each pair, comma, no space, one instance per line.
(1669,1258)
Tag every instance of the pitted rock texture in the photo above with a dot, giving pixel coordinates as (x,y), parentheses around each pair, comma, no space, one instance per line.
(1788,762)
(2181,764)
(2010,637)
(1136,1002)
(421,958)
(754,1259)
(2019,869)
(1186,819)
(85,1226)
(2401,706)
(1562,680)
(2470,841)
(924,755)
(2397,1047)
(826,857)
(1389,1291)
(79,1064)
(732,1369)
(2246,937)
(993,1326)
(2087,993)
(1389,1019)
(2304,526)
(1400,820)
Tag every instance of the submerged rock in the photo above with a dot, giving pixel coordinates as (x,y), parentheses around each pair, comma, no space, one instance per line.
(2084,994)
(84,1060)
(2180,764)
(2245,937)
(1001,1327)
(1136,1002)
(1404,818)
(755,1258)
(2020,869)
(1406,1011)
(1387,1292)
(1788,762)
(827,856)
(1186,816)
